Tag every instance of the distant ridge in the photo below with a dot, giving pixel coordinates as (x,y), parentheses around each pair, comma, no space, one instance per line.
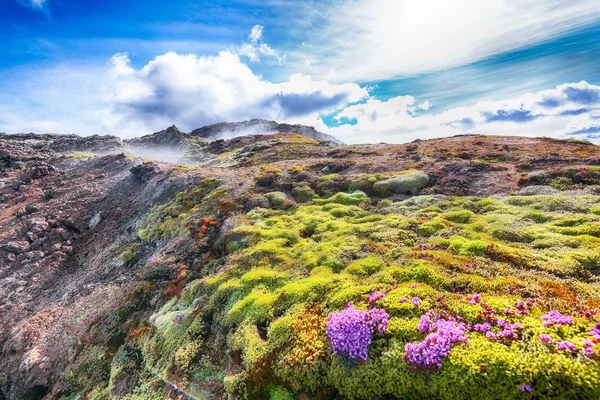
(229,130)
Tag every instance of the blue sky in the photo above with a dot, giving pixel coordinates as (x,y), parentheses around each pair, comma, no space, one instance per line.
(363,70)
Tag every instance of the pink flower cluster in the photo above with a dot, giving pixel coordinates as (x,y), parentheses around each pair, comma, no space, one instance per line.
(430,353)
(375,297)
(350,331)
(475,299)
(554,317)
(428,246)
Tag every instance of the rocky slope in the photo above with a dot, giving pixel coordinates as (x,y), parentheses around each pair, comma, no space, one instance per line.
(125,278)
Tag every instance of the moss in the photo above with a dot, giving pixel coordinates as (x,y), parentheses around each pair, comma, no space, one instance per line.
(303,194)
(409,183)
(365,267)
(280,393)
(294,267)
(276,199)
(354,198)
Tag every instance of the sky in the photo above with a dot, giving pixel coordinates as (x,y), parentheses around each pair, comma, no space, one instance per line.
(362,70)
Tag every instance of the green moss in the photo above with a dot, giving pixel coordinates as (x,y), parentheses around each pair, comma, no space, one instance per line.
(297,266)
(354,198)
(276,199)
(365,267)
(409,183)
(303,193)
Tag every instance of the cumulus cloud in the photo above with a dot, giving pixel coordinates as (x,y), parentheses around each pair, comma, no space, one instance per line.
(257,47)
(569,110)
(191,91)
(381,39)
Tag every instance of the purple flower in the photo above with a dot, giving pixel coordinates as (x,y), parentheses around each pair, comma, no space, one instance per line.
(178,318)
(508,311)
(490,335)
(503,324)
(425,322)
(485,327)
(554,317)
(545,338)
(416,301)
(595,332)
(475,299)
(374,297)
(429,353)
(223,268)
(588,352)
(413,286)
(403,299)
(588,343)
(525,388)
(350,331)
(565,345)
(507,334)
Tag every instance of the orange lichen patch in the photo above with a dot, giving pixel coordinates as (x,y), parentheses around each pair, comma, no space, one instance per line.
(558,292)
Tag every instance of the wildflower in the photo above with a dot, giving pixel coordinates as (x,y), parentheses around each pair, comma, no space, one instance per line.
(502,323)
(545,338)
(490,335)
(429,353)
(223,268)
(475,299)
(525,388)
(588,343)
(507,334)
(413,286)
(178,318)
(350,331)
(374,297)
(554,317)
(508,311)
(416,301)
(588,352)
(595,332)
(403,299)
(425,322)
(565,345)
(485,327)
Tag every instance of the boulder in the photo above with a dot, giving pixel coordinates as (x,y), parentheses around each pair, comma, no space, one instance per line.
(17,246)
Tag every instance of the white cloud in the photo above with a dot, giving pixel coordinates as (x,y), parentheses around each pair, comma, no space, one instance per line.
(569,110)
(257,48)
(192,91)
(380,39)
(255,34)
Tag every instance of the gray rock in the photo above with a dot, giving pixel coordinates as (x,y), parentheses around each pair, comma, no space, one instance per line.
(31,208)
(18,246)
(95,221)
(35,255)
(38,225)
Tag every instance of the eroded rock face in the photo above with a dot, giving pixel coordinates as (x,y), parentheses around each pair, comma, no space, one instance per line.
(59,265)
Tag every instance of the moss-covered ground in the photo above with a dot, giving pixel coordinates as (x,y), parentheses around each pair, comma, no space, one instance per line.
(249,319)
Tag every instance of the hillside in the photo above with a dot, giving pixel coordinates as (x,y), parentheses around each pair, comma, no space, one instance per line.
(291,266)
